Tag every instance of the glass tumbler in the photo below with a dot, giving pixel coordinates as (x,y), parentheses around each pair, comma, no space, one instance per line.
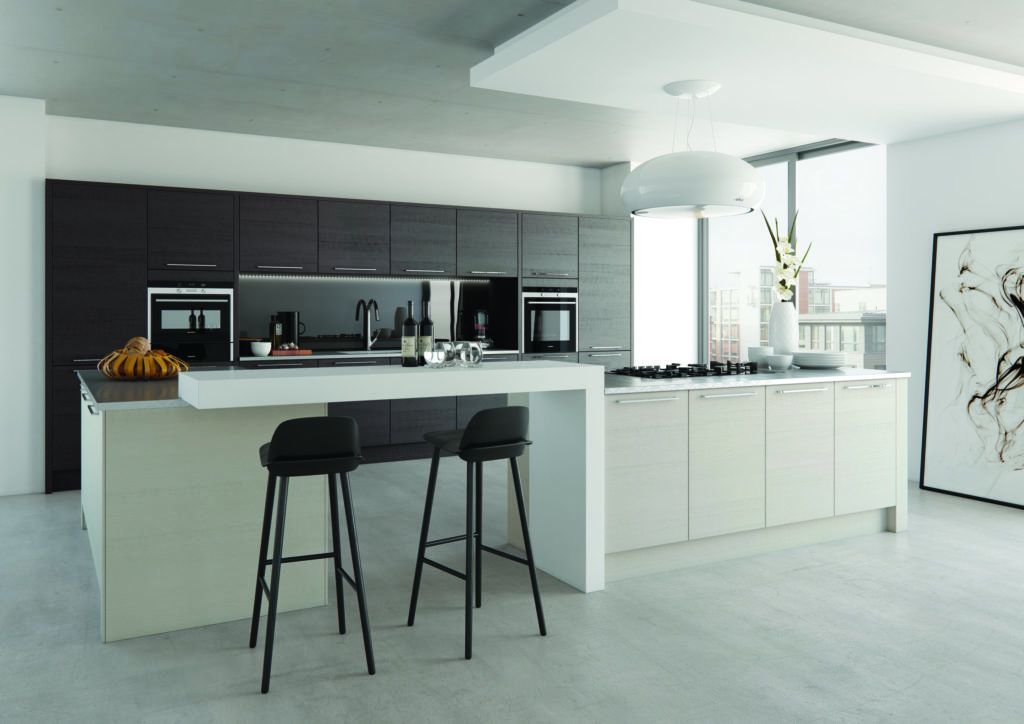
(468,354)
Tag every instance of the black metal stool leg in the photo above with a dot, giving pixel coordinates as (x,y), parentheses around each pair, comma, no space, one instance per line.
(339,578)
(261,568)
(526,544)
(275,582)
(357,573)
(421,552)
(479,532)
(470,509)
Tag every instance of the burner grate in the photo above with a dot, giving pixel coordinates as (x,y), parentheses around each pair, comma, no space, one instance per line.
(674,370)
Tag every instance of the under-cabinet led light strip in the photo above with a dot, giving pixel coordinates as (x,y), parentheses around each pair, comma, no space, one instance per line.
(358,278)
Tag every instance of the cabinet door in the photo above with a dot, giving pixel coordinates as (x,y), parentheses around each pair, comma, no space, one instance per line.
(411,418)
(372,416)
(799,453)
(487,243)
(726,461)
(277,234)
(96,260)
(354,237)
(550,246)
(646,500)
(468,405)
(283,362)
(422,240)
(610,360)
(191,230)
(63,439)
(865,446)
(605,315)
(555,357)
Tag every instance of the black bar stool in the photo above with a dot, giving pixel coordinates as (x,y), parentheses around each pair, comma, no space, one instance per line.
(309,446)
(493,434)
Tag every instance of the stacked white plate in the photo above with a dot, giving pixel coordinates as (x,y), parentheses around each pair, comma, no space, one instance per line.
(819,360)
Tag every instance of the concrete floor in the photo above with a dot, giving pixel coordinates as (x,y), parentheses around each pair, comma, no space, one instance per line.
(927,625)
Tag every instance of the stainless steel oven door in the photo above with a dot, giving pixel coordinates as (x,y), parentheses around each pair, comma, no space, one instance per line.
(550,322)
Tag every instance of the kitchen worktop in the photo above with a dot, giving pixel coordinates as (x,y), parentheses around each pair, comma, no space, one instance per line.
(353,354)
(622,384)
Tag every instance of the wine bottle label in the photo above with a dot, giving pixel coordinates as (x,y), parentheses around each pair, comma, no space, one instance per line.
(426,344)
(408,346)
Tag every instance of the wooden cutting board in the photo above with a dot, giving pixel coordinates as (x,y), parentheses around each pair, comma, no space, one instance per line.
(289,352)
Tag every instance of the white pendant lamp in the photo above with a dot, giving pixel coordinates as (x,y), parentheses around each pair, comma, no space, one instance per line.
(692,184)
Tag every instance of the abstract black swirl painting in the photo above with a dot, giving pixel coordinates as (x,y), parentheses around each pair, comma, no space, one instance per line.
(973,441)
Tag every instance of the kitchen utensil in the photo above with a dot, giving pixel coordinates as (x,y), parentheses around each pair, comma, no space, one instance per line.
(819,359)
(260,349)
(757,354)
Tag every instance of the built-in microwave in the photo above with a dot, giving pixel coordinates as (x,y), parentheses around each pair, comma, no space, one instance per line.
(550,322)
(193,321)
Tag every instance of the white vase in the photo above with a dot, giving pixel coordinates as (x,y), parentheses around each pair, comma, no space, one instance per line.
(782,328)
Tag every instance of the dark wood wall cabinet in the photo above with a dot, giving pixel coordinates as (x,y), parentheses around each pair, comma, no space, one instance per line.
(105,241)
(354,237)
(277,234)
(550,244)
(422,240)
(191,230)
(487,243)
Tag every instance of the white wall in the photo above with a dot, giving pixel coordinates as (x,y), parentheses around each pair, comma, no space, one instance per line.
(34,146)
(22,370)
(91,150)
(960,181)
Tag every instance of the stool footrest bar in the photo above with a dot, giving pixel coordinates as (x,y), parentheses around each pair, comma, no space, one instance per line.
(442,541)
(503,554)
(446,569)
(295,559)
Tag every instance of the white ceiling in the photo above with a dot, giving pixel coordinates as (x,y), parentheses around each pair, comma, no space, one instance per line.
(576,85)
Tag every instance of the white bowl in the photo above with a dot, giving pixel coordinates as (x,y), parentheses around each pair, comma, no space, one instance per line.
(779,361)
(757,354)
(260,349)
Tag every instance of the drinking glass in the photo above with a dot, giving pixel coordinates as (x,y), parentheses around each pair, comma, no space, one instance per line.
(442,354)
(468,354)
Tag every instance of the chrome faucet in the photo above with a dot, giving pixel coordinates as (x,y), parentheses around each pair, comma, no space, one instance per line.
(366,306)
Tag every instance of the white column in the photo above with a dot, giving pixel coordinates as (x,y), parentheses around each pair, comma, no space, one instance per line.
(22,371)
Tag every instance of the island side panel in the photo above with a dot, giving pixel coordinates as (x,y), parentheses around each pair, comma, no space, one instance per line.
(896,519)
(183,502)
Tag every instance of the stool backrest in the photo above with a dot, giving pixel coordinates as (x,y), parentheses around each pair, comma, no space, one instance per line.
(313,440)
(502,430)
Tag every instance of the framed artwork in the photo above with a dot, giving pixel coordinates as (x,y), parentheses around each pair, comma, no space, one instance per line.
(973,440)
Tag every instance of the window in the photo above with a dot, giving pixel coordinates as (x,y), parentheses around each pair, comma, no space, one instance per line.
(841,295)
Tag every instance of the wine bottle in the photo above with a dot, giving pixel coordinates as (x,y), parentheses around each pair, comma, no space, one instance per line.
(192,321)
(426,338)
(409,331)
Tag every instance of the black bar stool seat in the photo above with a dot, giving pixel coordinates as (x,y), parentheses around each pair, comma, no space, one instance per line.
(495,434)
(300,447)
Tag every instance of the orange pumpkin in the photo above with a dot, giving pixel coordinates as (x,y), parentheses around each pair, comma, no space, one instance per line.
(128,364)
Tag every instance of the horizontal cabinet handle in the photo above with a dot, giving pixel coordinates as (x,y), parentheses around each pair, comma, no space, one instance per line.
(549,274)
(649,399)
(339,363)
(202,265)
(605,354)
(427,271)
(279,364)
(488,272)
(796,392)
(730,394)
(617,346)
(866,387)
(88,359)
(354,268)
(549,356)
(268,266)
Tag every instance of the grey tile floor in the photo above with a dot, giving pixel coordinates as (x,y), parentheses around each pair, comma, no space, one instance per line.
(927,625)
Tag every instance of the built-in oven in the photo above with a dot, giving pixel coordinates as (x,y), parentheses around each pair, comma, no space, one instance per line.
(550,322)
(193,321)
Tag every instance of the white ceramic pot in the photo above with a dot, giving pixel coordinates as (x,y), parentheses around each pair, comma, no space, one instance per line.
(782,328)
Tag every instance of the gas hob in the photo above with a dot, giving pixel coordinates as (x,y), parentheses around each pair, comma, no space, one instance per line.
(672,371)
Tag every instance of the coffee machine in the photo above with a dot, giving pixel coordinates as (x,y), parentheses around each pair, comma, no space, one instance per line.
(291,327)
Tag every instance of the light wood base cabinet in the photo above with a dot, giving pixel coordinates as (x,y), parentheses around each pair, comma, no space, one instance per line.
(646,470)
(799,453)
(726,461)
(865,445)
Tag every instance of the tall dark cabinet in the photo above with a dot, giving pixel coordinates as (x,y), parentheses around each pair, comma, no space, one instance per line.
(96,300)
(606,288)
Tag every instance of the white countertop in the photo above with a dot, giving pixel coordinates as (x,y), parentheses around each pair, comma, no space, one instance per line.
(623,385)
(216,389)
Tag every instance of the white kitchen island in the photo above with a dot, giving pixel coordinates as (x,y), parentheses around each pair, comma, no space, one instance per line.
(172,489)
